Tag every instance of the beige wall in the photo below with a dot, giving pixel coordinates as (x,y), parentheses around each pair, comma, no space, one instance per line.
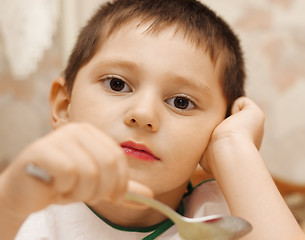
(273,37)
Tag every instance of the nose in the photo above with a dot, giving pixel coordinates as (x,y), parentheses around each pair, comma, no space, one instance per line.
(143,113)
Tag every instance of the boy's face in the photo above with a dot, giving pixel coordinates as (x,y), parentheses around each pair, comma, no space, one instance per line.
(154,91)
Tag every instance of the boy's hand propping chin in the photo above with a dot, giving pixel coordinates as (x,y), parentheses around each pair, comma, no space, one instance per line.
(246,124)
(84,163)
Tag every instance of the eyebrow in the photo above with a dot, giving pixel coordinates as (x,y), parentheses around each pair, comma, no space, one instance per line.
(191,82)
(115,63)
(177,79)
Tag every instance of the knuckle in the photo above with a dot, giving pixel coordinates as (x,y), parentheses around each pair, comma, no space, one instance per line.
(87,126)
(115,156)
(263,116)
(119,158)
(121,154)
(65,182)
(75,126)
(71,126)
(93,174)
(112,162)
(68,168)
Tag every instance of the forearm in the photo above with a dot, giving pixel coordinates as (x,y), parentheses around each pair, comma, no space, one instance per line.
(9,222)
(10,219)
(250,190)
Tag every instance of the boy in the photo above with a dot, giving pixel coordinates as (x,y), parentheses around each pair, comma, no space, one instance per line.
(143,101)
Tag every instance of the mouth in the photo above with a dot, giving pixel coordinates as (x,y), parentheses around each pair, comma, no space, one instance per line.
(138,151)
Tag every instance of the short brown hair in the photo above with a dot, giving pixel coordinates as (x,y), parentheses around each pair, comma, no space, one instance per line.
(199,24)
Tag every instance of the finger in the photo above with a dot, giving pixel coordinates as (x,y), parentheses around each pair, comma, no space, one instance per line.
(116,160)
(238,105)
(254,118)
(87,173)
(244,103)
(110,162)
(60,173)
(55,162)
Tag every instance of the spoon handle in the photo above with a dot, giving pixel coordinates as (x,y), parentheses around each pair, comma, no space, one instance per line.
(167,211)
(40,173)
(37,172)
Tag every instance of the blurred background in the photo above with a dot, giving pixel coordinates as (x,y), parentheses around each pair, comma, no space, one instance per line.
(36,37)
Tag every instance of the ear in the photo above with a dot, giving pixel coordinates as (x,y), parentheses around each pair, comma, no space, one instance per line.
(59,103)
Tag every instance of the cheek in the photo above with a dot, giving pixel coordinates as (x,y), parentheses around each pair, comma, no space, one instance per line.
(189,144)
(191,140)
(184,151)
(101,114)
(81,112)
(88,107)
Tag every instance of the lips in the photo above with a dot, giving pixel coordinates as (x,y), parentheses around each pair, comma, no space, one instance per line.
(138,151)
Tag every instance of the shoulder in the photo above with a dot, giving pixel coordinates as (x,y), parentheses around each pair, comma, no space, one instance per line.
(71,221)
(206,199)
(48,223)
(34,226)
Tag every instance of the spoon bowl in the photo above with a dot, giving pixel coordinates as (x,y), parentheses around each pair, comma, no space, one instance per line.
(214,227)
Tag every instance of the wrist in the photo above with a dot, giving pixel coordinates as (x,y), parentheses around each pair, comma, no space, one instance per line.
(10,200)
(227,149)
(8,209)
(10,221)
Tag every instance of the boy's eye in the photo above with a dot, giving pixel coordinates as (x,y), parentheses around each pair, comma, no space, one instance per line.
(116,84)
(180,102)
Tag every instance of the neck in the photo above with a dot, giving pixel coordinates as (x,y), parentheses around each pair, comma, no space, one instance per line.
(135,215)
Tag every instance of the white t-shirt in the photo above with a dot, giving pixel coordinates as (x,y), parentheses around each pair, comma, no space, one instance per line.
(76,221)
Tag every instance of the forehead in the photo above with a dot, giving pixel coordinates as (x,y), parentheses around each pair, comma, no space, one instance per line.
(151,26)
(194,38)
(165,55)
(166,31)
(139,37)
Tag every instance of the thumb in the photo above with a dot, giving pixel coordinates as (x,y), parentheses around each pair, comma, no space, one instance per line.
(140,189)
(137,189)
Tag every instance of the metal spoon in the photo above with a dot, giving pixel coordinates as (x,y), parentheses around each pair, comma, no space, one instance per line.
(215,227)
